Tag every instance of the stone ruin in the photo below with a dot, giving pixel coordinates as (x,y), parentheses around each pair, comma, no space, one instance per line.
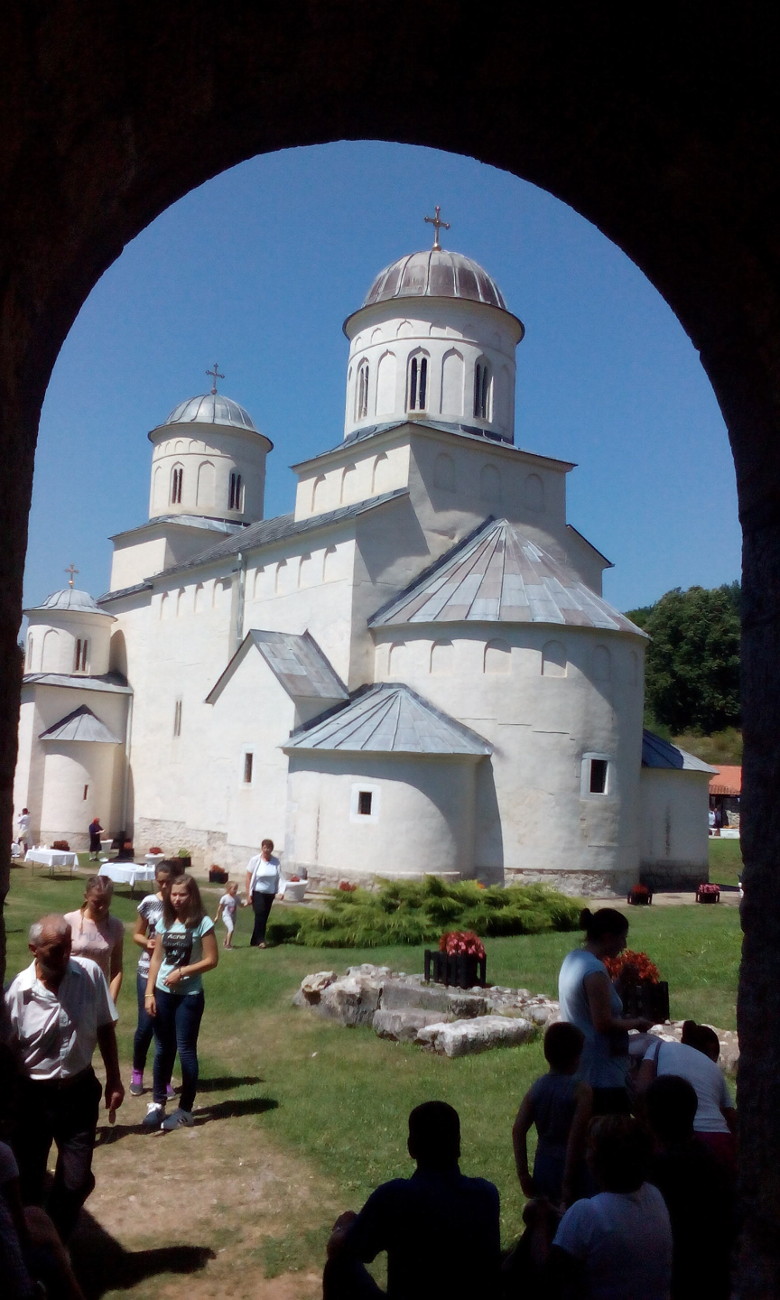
(447,1020)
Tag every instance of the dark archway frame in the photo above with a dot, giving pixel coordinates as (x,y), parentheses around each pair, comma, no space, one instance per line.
(664,135)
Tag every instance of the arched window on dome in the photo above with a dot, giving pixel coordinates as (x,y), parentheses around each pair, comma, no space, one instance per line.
(177,479)
(361,393)
(482,390)
(81,656)
(236,492)
(417,383)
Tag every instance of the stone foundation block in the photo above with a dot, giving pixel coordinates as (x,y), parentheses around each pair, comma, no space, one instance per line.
(350,1001)
(403,1025)
(463,1037)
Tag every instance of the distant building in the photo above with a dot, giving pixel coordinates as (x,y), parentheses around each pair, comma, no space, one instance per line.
(414,671)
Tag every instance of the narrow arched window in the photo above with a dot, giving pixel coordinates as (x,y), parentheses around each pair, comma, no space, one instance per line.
(177,477)
(234,497)
(80,657)
(361,398)
(418,383)
(482,391)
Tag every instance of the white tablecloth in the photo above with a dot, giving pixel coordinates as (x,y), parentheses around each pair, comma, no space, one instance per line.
(52,858)
(126,873)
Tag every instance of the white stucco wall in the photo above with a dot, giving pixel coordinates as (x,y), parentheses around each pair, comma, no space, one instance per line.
(674,849)
(208,454)
(52,636)
(423,818)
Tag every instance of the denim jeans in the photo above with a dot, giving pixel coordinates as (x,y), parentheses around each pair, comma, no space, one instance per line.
(145,1028)
(176,1027)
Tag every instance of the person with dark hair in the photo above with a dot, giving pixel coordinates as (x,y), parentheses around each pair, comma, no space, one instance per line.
(695,1059)
(697,1191)
(560,1106)
(145,936)
(262,886)
(618,1244)
(95,831)
(59,1010)
(589,1000)
(439,1228)
(184,950)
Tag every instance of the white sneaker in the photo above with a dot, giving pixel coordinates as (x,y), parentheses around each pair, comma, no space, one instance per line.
(177,1119)
(155,1113)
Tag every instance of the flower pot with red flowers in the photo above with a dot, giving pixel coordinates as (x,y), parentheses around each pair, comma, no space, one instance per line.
(639,895)
(460,960)
(641,989)
(217,875)
(708,894)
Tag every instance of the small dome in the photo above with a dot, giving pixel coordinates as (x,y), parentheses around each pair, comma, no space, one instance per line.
(435,273)
(211,408)
(70,598)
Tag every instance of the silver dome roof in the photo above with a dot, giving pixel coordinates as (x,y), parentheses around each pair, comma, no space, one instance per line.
(70,598)
(435,273)
(211,408)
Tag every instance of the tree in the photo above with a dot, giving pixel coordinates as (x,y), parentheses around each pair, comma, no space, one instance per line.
(692,669)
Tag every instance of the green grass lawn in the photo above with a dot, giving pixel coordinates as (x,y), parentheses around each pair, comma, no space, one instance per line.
(725,860)
(340,1097)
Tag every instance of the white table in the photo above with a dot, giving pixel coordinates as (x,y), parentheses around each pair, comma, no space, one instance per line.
(52,858)
(126,873)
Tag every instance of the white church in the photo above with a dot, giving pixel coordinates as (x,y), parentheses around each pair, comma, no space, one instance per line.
(415,671)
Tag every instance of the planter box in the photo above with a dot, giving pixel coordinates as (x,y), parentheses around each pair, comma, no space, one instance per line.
(639,898)
(707,898)
(460,971)
(294,891)
(217,877)
(650,1000)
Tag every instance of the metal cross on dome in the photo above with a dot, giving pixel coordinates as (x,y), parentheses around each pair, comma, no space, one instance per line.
(72,571)
(215,375)
(437,224)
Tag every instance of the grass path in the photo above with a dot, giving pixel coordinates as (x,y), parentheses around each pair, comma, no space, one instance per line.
(300,1118)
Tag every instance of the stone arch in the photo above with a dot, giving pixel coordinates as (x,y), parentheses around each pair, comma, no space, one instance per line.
(50,651)
(386,379)
(601,661)
(441,659)
(489,483)
(497,657)
(205,497)
(554,661)
(714,271)
(317,493)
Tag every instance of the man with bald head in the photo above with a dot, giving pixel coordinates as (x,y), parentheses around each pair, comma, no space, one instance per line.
(60,1010)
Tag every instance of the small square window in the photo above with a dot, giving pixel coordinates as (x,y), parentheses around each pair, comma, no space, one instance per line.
(598,776)
(365,799)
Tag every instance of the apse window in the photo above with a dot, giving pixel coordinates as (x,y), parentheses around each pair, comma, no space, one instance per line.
(418,384)
(235,501)
(361,404)
(177,478)
(80,659)
(364,803)
(595,774)
(177,718)
(249,761)
(482,391)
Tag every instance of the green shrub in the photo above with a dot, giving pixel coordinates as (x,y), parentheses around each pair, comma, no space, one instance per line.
(416,912)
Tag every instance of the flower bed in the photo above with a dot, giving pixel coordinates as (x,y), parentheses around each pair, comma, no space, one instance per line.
(641,989)
(708,894)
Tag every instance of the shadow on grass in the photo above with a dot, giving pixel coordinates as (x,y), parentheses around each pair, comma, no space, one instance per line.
(230,1109)
(225,1081)
(101,1264)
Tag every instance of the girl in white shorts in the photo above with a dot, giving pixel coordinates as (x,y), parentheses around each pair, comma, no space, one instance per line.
(227,910)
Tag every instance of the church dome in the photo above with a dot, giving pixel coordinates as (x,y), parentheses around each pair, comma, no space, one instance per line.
(211,408)
(74,601)
(435,273)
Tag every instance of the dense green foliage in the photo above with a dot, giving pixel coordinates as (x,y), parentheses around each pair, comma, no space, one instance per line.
(418,912)
(692,668)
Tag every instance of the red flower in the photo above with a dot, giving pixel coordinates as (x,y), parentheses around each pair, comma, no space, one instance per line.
(632,968)
(457,943)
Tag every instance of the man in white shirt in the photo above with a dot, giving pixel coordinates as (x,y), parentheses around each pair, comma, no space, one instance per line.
(23,824)
(262,886)
(60,1009)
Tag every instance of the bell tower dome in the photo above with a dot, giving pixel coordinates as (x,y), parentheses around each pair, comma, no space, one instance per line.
(208,461)
(433,341)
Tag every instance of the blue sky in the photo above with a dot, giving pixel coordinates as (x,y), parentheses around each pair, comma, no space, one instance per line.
(258,269)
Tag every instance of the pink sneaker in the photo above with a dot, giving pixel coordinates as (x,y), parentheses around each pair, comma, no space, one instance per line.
(170,1091)
(137,1083)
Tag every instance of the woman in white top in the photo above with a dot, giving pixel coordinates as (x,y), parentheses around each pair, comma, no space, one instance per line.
(262,886)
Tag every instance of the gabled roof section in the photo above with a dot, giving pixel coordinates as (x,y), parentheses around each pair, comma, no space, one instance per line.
(497,575)
(389,718)
(657,752)
(471,432)
(297,662)
(111,682)
(263,534)
(81,724)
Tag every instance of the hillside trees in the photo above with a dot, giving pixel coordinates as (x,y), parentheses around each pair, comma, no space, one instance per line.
(692,666)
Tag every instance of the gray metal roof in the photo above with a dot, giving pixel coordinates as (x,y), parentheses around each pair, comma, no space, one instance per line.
(73,600)
(211,408)
(264,533)
(298,662)
(657,752)
(113,683)
(81,724)
(497,575)
(435,273)
(389,718)
(199,522)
